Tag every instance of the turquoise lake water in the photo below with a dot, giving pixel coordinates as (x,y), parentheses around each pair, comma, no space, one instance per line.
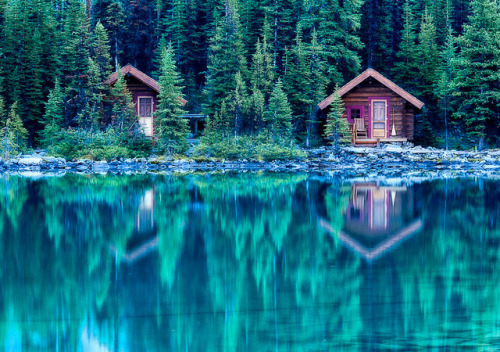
(248,262)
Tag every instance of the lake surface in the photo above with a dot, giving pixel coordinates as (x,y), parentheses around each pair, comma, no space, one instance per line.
(248,262)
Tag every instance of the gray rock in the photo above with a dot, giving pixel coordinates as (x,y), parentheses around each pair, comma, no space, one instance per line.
(100,166)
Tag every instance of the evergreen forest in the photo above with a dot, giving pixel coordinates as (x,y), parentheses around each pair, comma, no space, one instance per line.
(256,68)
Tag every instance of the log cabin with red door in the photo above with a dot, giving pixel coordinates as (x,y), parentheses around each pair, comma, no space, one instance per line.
(144,90)
(377,109)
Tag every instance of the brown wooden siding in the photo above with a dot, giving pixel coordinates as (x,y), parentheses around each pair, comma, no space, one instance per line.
(401,113)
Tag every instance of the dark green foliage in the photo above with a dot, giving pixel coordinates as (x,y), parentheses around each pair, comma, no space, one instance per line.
(278,117)
(110,13)
(123,118)
(226,57)
(408,64)
(170,128)
(247,147)
(30,60)
(306,80)
(381,25)
(231,53)
(337,24)
(100,145)
(53,117)
(444,87)
(337,129)
(13,135)
(477,81)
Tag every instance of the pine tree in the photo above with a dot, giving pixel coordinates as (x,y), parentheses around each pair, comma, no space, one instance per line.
(111,14)
(30,57)
(101,51)
(138,41)
(338,31)
(298,86)
(14,134)
(477,81)
(76,68)
(256,109)
(238,103)
(282,15)
(407,64)
(444,86)
(176,29)
(278,116)
(3,117)
(317,91)
(262,69)
(171,129)
(428,57)
(124,118)
(53,117)
(226,57)
(162,44)
(337,128)
(381,25)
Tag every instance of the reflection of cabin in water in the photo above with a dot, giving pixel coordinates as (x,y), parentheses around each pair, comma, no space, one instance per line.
(378,218)
(145,91)
(377,109)
(144,238)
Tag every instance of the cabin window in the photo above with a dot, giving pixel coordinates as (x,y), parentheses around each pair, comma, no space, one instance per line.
(145,105)
(355,114)
(145,111)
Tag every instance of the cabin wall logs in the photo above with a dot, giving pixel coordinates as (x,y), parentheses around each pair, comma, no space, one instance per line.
(401,113)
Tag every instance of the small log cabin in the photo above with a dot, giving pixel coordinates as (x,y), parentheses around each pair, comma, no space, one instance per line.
(378,218)
(144,90)
(377,109)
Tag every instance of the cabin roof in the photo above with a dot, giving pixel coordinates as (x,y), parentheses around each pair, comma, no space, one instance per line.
(140,76)
(380,78)
(371,254)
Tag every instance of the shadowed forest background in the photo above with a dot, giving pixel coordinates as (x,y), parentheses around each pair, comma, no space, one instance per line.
(240,60)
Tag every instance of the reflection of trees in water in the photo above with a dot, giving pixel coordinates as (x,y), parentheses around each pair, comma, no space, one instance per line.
(241,263)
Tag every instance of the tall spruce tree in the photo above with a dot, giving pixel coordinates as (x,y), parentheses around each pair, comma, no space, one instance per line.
(262,68)
(53,117)
(407,64)
(298,86)
(283,18)
(171,129)
(444,86)
(76,68)
(111,14)
(428,57)
(226,57)
(337,127)
(380,32)
(124,118)
(30,57)
(278,116)
(14,135)
(477,81)
(337,24)
(317,68)
(100,51)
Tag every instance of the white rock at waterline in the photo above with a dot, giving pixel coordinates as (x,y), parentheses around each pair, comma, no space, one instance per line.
(30,161)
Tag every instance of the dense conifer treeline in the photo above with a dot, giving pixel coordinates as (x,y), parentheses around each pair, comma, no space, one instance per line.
(240,61)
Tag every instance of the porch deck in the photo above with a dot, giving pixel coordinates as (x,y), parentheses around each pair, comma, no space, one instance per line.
(365,141)
(361,140)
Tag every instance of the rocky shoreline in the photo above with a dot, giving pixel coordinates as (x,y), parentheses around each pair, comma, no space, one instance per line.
(389,160)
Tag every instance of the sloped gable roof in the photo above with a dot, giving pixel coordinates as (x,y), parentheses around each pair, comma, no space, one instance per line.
(381,79)
(139,75)
(373,253)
